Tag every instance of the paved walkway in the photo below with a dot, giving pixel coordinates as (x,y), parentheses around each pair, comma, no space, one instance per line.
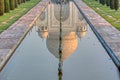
(11,38)
(105,29)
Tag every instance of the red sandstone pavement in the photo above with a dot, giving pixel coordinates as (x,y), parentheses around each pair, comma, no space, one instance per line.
(11,38)
(110,34)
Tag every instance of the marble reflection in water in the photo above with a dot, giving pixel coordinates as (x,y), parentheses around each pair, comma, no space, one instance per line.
(73,28)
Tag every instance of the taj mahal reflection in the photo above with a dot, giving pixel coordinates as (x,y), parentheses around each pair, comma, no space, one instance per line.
(73,28)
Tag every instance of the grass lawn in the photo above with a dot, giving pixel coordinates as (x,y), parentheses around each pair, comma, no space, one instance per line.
(9,18)
(111,16)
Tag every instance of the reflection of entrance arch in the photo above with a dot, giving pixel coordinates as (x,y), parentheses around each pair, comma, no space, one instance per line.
(65,12)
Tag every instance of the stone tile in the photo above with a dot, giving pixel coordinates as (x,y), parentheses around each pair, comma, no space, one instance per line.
(8,43)
(3,54)
(12,34)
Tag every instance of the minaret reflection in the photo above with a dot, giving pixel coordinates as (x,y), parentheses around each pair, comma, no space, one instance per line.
(82,29)
(42,32)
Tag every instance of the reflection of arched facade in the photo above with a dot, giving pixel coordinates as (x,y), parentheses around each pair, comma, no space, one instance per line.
(65,11)
(71,17)
(73,25)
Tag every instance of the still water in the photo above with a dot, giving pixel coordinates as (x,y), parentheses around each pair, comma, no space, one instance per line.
(72,53)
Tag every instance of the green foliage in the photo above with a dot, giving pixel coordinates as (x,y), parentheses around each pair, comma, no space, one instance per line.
(16,3)
(9,18)
(100,1)
(103,2)
(24,1)
(111,4)
(12,4)
(1,7)
(107,2)
(7,5)
(116,4)
(19,2)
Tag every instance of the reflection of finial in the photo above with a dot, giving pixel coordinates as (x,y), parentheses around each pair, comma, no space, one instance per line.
(60,48)
(60,73)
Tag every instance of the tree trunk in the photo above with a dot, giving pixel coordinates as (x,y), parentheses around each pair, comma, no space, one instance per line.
(103,2)
(1,7)
(100,1)
(19,2)
(24,1)
(7,6)
(16,3)
(12,4)
(111,4)
(107,2)
(116,4)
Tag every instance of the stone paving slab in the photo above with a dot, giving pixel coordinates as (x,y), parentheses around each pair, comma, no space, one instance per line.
(110,34)
(6,43)
(12,37)
(4,53)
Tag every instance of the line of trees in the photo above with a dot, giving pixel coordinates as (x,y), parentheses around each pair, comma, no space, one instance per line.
(7,5)
(114,4)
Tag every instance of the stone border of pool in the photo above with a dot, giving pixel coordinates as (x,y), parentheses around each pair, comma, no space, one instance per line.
(104,29)
(12,37)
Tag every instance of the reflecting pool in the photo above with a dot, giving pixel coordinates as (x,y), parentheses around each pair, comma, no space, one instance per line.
(60,46)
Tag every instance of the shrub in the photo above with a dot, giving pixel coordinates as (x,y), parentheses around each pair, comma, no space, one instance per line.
(7,6)
(1,7)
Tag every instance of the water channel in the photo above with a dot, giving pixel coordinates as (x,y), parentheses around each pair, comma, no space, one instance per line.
(60,46)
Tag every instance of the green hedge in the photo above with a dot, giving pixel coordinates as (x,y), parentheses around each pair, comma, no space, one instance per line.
(16,3)
(1,7)
(7,6)
(12,4)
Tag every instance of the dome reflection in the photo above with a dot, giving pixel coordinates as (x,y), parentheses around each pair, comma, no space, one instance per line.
(69,44)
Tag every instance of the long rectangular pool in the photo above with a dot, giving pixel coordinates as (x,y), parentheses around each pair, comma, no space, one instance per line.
(60,46)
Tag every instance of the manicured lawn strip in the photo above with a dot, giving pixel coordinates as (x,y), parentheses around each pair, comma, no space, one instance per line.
(9,18)
(111,16)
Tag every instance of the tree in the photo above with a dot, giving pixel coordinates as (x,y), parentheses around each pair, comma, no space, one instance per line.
(12,4)
(111,4)
(116,4)
(108,2)
(1,7)
(16,3)
(7,6)
(103,2)
(100,1)
(19,2)
(24,1)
